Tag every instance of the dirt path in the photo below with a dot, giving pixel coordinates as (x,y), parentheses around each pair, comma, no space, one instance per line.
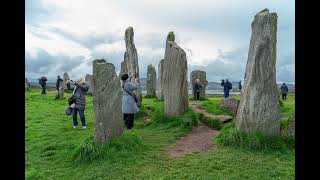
(198,140)
(196,105)
(200,137)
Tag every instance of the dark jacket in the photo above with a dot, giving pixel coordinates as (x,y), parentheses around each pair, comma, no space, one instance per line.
(197,87)
(80,94)
(58,82)
(284,89)
(43,82)
(225,86)
(240,86)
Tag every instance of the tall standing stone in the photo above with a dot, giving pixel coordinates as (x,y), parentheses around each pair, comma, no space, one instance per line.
(151,81)
(60,90)
(107,103)
(65,79)
(159,83)
(124,68)
(26,84)
(175,86)
(259,108)
(88,80)
(201,75)
(132,60)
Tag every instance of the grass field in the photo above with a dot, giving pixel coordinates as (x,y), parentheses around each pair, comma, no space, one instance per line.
(53,147)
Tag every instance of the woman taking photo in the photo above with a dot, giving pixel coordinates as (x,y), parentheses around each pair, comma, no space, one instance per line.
(129,105)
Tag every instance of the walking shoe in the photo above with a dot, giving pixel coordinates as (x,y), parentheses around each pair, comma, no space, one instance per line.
(75,127)
(84,127)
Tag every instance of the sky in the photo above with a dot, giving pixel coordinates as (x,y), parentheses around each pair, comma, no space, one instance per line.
(66,36)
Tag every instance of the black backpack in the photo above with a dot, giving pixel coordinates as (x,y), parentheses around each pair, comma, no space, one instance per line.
(40,81)
(229,85)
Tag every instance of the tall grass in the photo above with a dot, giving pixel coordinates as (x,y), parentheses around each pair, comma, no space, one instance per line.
(231,136)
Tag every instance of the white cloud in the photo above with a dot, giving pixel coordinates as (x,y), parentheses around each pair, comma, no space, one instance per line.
(95,29)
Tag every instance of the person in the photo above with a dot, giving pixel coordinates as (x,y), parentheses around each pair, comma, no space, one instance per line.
(58,82)
(226,87)
(240,87)
(43,83)
(284,91)
(197,87)
(79,92)
(129,106)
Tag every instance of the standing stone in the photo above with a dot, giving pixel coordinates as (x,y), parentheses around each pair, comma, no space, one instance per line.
(291,126)
(60,90)
(201,75)
(131,58)
(107,103)
(88,80)
(175,86)
(259,108)
(160,75)
(151,81)
(65,79)
(124,68)
(230,104)
(26,84)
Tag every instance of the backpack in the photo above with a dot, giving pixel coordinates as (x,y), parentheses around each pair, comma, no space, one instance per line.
(40,81)
(229,86)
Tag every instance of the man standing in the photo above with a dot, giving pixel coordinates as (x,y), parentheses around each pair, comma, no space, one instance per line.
(226,87)
(240,87)
(43,83)
(284,91)
(197,87)
(58,83)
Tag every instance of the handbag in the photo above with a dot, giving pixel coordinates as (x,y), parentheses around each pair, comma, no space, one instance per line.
(68,111)
(134,96)
(72,99)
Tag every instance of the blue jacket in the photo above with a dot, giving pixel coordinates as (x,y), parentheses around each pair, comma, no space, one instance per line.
(129,106)
(284,89)
(225,86)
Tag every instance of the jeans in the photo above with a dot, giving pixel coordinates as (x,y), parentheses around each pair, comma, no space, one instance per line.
(226,94)
(74,117)
(128,120)
(284,97)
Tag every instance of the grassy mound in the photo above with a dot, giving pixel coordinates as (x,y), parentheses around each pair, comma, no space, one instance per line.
(231,136)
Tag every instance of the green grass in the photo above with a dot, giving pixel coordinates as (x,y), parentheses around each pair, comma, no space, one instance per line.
(211,104)
(231,136)
(54,150)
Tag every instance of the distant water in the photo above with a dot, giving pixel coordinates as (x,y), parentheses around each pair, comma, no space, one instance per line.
(207,92)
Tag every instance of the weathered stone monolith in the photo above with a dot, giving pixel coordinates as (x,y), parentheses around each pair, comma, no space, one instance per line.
(259,108)
(65,79)
(26,84)
(107,103)
(132,60)
(159,81)
(60,90)
(151,81)
(230,104)
(292,126)
(88,80)
(201,75)
(124,68)
(175,86)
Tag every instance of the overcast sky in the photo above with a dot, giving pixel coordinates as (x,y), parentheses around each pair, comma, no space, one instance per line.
(66,36)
